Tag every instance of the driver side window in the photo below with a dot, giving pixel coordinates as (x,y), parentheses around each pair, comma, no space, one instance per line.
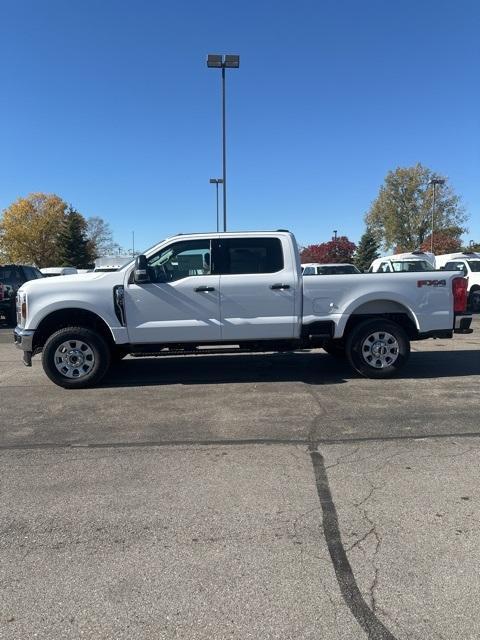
(180,260)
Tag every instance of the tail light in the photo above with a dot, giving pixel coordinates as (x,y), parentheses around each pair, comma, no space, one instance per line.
(1,291)
(459,289)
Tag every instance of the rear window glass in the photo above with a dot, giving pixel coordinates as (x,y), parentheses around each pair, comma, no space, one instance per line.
(412,265)
(337,270)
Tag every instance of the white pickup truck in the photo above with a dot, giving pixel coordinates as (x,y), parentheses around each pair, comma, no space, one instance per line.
(199,293)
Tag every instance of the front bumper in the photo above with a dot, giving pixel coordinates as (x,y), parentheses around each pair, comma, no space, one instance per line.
(462,323)
(23,339)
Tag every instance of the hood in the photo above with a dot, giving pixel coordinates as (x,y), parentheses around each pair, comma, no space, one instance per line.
(43,284)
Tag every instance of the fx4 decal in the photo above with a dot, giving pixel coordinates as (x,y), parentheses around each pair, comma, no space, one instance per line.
(431,283)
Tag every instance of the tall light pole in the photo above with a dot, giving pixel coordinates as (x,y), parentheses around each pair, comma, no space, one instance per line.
(215,61)
(216,181)
(434,182)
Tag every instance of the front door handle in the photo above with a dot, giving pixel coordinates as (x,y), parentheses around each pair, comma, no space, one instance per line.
(280,286)
(204,289)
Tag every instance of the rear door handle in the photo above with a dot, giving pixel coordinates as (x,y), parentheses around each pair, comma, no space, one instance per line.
(280,286)
(204,289)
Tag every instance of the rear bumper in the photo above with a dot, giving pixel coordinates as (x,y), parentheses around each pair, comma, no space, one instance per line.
(23,339)
(462,323)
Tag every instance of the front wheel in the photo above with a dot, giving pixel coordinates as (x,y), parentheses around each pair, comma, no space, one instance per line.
(377,348)
(75,357)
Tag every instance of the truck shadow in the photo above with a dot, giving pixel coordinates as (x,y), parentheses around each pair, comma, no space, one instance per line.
(307,367)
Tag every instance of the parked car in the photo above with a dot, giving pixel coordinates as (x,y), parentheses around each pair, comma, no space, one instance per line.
(12,276)
(316,269)
(401,262)
(231,291)
(468,264)
(51,272)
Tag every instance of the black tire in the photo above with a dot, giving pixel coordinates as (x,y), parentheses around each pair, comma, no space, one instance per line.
(118,354)
(12,316)
(95,365)
(335,348)
(474,300)
(377,356)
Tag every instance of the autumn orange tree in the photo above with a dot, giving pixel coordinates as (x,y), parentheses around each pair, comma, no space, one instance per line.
(29,229)
(447,241)
(42,229)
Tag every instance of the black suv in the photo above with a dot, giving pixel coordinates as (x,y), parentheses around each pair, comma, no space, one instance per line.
(12,276)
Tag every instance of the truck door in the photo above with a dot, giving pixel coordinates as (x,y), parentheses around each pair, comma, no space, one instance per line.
(257,288)
(181,303)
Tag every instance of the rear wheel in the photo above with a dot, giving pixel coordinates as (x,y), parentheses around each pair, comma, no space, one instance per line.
(475,300)
(377,348)
(75,357)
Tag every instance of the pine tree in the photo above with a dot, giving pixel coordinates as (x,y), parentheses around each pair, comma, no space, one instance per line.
(73,245)
(367,250)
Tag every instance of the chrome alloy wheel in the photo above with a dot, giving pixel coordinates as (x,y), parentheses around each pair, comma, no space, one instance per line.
(380,349)
(74,359)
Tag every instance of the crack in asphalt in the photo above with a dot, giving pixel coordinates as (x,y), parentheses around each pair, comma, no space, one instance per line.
(240,441)
(365,616)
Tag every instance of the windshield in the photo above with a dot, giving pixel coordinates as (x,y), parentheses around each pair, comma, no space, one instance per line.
(474,265)
(412,265)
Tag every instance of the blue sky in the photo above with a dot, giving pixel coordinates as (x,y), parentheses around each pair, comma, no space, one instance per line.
(110,105)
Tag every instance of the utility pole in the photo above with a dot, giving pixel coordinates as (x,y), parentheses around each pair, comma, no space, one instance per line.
(434,182)
(223,62)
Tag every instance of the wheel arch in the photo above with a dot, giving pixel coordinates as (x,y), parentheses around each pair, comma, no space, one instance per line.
(391,310)
(70,317)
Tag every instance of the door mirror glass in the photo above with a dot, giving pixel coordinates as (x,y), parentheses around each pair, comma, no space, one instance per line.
(140,273)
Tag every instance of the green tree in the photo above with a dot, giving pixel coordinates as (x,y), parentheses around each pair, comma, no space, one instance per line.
(401,215)
(367,250)
(472,246)
(73,244)
(29,229)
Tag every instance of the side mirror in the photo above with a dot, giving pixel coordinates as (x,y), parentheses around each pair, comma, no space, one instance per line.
(140,273)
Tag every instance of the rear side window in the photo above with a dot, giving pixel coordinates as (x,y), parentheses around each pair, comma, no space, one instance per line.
(249,255)
(309,271)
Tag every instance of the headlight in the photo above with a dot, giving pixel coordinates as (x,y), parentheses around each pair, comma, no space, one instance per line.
(21,303)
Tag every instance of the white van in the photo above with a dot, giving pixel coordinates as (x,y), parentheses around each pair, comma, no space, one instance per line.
(401,262)
(50,272)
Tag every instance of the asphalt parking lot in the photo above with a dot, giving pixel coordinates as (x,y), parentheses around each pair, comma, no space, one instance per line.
(249,496)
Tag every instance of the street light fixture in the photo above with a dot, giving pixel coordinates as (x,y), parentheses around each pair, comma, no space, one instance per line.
(216,61)
(216,181)
(434,182)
